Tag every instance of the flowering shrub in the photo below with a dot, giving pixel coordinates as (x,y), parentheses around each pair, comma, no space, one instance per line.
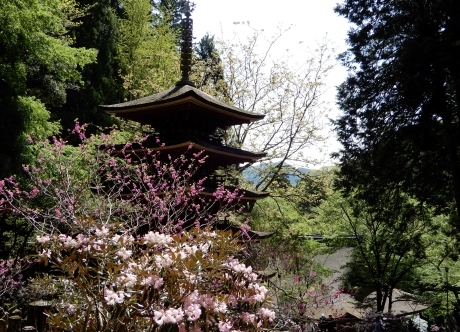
(11,274)
(118,282)
(300,286)
(122,229)
(140,189)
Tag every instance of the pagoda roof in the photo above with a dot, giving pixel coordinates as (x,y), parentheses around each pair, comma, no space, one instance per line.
(161,104)
(224,152)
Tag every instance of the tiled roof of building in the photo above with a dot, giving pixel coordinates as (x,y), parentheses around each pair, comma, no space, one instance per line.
(177,94)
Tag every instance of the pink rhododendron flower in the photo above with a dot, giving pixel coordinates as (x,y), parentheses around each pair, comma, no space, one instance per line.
(248,317)
(163,261)
(267,313)
(225,326)
(220,307)
(128,280)
(193,311)
(112,297)
(154,281)
(173,315)
(68,241)
(43,239)
(46,253)
(168,316)
(124,253)
(103,232)
(157,238)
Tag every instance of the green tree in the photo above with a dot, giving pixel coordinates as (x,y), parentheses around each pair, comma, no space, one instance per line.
(389,238)
(430,279)
(208,70)
(313,189)
(147,50)
(37,63)
(400,103)
(294,202)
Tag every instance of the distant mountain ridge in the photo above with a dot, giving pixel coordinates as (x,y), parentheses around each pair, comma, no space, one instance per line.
(252,173)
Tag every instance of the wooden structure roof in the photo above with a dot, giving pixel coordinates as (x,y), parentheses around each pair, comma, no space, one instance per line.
(225,154)
(184,101)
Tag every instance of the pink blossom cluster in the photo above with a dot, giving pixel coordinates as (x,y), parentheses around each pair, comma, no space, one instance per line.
(112,297)
(171,316)
(236,266)
(140,189)
(11,274)
(157,238)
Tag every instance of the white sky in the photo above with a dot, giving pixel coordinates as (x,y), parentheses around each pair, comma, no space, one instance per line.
(311,21)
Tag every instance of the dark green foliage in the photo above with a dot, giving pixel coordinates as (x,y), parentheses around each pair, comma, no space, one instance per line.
(205,49)
(11,127)
(390,242)
(313,190)
(208,69)
(102,83)
(400,122)
(15,236)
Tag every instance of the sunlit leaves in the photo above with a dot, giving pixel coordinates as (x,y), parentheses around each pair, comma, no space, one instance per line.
(147,52)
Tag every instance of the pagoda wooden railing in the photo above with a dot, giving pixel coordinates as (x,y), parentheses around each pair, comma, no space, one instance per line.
(214,180)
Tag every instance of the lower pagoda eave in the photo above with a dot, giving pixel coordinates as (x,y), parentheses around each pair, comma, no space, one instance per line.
(237,156)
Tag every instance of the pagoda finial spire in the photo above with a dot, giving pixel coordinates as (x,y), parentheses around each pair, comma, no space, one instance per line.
(186,47)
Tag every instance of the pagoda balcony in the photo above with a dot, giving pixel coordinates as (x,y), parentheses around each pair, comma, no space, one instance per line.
(215,180)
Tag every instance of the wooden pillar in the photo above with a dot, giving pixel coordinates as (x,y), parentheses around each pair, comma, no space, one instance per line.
(2,325)
(14,324)
(36,316)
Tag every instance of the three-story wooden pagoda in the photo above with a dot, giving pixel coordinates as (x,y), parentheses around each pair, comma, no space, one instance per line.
(189,120)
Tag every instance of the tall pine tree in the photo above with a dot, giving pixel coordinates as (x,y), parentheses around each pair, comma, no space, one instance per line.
(102,83)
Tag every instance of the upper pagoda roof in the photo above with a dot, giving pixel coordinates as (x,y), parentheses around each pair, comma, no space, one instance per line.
(184,97)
